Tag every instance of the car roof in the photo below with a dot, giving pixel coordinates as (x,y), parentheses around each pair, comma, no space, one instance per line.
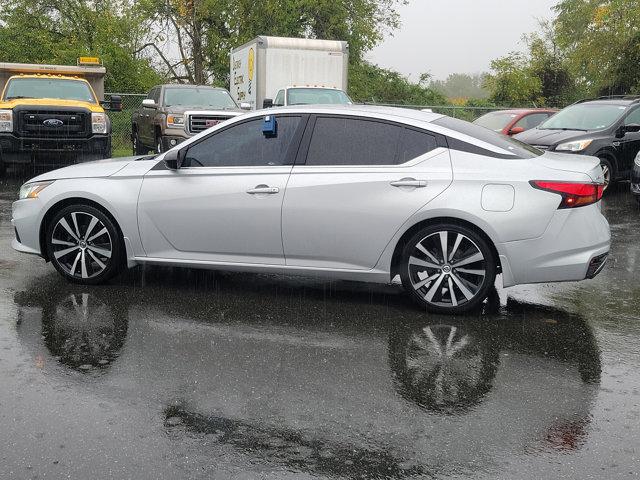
(519,111)
(616,101)
(375,110)
(185,85)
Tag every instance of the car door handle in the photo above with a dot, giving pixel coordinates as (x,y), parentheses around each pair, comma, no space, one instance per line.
(263,189)
(409,182)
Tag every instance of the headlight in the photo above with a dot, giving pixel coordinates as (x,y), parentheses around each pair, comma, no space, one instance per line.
(6,120)
(175,121)
(99,122)
(32,190)
(576,146)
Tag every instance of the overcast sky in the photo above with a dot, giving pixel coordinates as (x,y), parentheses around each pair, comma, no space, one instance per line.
(458,36)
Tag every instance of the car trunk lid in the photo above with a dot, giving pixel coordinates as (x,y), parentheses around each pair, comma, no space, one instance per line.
(573,163)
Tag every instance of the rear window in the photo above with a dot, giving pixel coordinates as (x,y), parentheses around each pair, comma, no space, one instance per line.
(517,148)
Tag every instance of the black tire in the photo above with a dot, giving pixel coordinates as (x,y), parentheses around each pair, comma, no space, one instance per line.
(90,259)
(138,147)
(3,168)
(608,171)
(439,285)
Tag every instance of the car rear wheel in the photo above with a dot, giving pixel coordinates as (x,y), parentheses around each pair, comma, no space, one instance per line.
(448,268)
(84,245)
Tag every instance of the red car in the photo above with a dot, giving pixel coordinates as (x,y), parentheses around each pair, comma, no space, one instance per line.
(512,122)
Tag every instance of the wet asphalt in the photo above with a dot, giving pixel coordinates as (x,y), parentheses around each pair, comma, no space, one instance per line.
(170,373)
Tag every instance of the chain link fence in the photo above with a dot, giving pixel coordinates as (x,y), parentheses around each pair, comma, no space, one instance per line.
(121,121)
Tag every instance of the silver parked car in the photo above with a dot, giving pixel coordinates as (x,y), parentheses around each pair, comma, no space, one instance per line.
(350,192)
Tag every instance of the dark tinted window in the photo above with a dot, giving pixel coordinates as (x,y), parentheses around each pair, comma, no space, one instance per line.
(244,144)
(348,141)
(633,118)
(516,148)
(415,143)
(531,121)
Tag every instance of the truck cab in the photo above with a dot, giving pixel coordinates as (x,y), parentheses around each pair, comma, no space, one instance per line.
(172,113)
(308,95)
(51,115)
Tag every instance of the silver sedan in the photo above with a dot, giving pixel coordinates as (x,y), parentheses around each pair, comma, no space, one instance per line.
(351,192)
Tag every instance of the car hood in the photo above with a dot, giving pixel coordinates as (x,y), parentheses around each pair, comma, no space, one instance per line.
(95,169)
(537,136)
(196,108)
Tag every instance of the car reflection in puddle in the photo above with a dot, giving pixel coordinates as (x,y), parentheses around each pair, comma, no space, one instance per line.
(330,380)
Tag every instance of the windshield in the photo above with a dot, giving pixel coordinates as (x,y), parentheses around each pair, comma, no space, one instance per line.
(317,96)
(198,97)
(585,116)
(66,89)
(495,121)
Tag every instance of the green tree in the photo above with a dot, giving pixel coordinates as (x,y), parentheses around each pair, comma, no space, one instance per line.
(59,31)
(513,82)
(204,31)
(370,83)
(601,41)
(462,85)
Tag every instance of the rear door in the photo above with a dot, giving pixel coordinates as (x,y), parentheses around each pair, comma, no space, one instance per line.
(355,182)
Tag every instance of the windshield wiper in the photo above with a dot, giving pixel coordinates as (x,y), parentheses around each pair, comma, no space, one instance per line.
(18,97)
(565,129)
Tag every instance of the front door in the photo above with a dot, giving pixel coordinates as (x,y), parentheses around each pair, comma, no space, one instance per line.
(224,204)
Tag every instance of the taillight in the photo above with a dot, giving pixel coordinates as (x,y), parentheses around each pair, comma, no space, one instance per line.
(573,194)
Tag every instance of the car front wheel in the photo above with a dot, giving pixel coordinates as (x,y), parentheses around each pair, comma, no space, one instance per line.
(448,268)
(84,245)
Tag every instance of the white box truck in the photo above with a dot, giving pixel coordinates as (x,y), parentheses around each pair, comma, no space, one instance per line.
(266,65)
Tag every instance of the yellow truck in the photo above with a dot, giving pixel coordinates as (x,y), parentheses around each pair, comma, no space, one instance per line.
(53,115)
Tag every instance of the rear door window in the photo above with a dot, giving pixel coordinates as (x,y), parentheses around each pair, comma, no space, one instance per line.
(354,141)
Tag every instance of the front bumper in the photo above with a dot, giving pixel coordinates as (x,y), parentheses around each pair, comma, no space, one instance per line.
(47,150)
(26,217)
(170,141)
(574,247)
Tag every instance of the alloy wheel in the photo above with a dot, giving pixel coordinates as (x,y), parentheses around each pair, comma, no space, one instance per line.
(81,245)
(447,269)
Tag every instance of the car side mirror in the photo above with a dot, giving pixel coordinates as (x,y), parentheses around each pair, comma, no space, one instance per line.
(149,103)
(114,104)
(245,106)
(516,130)
(267,103)
(173,158)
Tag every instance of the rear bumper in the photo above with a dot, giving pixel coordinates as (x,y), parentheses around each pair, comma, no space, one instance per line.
(574,247)
(45,151)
